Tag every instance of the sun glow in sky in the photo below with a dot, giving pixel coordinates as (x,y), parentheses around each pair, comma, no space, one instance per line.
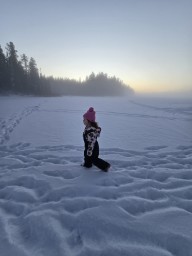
(145,43)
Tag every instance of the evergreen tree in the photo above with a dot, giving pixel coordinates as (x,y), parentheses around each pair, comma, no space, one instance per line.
(24,62)
(4,79)
(34,76)
(12,64)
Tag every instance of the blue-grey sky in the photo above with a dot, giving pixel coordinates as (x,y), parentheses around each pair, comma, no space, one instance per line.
(145,43)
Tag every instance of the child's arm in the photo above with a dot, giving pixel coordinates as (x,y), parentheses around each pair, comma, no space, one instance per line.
(91,138)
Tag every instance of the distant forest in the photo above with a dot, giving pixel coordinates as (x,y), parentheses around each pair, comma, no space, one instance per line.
(20,75)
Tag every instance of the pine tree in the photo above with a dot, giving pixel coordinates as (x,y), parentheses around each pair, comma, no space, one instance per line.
(4,81)
(34,76)
(24,62)
(25,76)
(12,64)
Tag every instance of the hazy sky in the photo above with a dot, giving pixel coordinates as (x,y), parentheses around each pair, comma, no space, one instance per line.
(145,43)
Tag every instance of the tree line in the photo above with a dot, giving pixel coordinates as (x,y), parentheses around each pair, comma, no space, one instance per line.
(20,75)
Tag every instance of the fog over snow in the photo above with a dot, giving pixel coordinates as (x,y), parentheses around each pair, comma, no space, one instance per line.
(50,205)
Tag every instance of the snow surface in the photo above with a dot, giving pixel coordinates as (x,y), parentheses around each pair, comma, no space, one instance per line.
(50,205)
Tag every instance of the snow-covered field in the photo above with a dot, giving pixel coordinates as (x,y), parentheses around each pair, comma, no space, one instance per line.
(50,205)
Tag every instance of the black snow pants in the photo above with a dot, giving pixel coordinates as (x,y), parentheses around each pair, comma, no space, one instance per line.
(94,159)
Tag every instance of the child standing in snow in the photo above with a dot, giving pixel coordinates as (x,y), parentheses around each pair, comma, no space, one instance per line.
(90,135)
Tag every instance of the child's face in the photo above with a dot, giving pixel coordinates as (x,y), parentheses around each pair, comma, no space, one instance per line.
(85,121)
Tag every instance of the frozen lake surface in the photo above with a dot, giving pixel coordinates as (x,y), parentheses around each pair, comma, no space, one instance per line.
(133,123)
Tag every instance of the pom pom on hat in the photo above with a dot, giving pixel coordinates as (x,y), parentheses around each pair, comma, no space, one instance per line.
(90,115)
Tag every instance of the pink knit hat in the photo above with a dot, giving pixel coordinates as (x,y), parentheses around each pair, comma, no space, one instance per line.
(90,115)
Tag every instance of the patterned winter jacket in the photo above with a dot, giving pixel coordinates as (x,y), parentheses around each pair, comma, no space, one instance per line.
(90,135)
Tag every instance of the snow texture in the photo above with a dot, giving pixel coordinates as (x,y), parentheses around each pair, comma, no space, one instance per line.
(50,205)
